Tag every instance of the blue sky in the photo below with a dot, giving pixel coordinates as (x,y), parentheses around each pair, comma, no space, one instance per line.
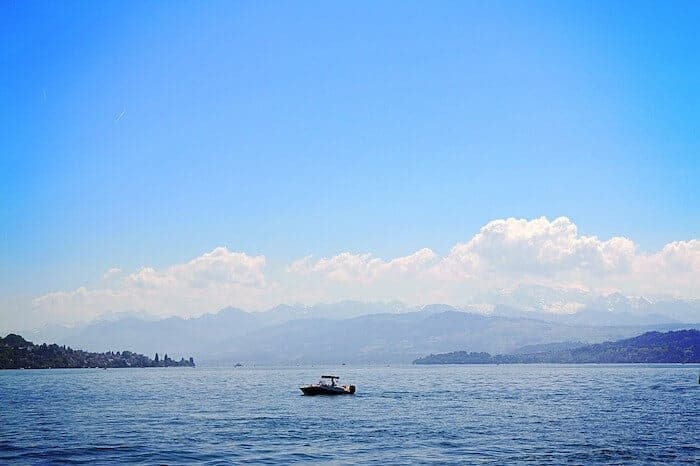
(139,135)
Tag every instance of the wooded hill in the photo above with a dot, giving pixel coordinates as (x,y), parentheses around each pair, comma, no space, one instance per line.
(681,346)
(18,353)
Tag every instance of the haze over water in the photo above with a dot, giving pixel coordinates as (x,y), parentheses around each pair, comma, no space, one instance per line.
(530,414)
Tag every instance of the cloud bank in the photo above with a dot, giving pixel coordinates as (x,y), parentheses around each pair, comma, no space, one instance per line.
(504,254)
(207,282)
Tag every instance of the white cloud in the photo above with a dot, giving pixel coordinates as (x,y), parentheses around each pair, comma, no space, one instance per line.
(504,254)
(674,270)
(219,267)
(111,274)
(364,268)
(509,252)
(518,247)
(213,280)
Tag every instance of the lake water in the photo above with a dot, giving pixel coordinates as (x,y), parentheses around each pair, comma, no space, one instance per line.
(506,414)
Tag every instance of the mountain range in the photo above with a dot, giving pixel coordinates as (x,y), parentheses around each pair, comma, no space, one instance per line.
(367,332)
(582,307)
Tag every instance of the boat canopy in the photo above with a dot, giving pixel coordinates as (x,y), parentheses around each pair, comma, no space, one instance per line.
(330,377)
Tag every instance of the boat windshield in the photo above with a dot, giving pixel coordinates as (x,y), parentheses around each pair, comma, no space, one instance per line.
(325,380)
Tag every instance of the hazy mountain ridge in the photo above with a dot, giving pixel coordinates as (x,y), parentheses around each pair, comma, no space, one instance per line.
(341,332)
(201,335)
(581,307)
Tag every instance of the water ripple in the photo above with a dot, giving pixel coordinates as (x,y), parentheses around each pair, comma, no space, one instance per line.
(538,414)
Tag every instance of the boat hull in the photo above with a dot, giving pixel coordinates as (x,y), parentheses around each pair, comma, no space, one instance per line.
(311,390)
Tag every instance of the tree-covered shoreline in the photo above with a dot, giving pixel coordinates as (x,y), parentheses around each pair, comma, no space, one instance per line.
(681,346)
(18,353)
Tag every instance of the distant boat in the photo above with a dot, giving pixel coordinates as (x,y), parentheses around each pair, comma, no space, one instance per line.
(325,388)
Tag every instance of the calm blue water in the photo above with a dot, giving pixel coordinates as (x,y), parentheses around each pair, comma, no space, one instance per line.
(449,414)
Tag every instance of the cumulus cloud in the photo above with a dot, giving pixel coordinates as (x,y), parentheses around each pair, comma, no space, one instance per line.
(503,254)
(348,267)
(674,270)
(212,280)
(510,252)
(518,249)
(219,267)
(111,274)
